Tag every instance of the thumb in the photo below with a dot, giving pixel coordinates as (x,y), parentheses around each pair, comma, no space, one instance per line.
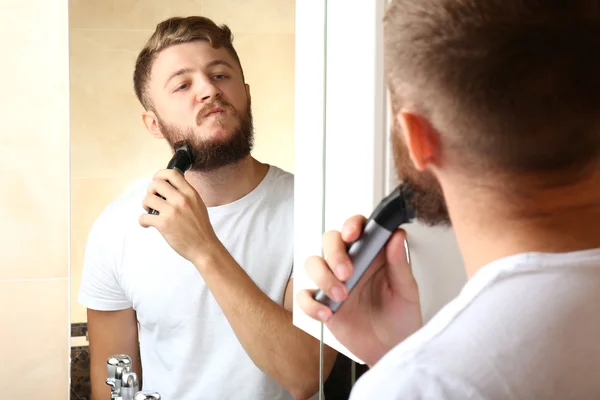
(399,270)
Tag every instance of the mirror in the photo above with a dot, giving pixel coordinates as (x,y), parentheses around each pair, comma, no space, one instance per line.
(113,153)
(110,147)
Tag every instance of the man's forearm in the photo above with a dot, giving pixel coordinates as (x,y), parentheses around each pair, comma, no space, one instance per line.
(265,329)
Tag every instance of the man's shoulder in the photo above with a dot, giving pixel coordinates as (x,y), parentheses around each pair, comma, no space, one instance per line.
(281,176)
(412,381)
(449,357)
(279,185)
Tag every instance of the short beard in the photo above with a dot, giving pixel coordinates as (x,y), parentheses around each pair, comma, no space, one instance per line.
(212,155)
(427,198)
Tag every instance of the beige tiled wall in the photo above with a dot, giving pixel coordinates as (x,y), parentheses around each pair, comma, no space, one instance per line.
(109,145)
(34,140)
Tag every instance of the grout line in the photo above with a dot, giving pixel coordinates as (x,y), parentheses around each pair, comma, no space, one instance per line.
(32,280)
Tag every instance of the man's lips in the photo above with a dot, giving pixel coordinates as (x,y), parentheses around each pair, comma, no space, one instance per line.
(216,110)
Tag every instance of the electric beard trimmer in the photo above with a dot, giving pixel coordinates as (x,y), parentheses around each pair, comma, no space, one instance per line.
(393,211)
(181,162)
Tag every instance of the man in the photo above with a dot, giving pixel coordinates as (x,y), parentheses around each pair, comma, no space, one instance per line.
(496,107)
(208,279)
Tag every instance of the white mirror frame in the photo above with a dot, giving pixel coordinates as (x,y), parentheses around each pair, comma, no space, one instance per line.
(340,121)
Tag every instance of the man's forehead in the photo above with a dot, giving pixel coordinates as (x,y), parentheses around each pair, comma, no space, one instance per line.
(193,55)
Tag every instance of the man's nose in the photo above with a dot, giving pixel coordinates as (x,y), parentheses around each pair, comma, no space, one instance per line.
(207,91)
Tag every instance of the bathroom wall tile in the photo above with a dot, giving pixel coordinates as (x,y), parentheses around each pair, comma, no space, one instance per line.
(81,388)
(89,197)
(108,138)
(35,348)
(268,61)
(78,329)
(43,15)
(129,14)
(32,112)
(34,213)
(34,156)
(34,140)
(34,203)
(253,16)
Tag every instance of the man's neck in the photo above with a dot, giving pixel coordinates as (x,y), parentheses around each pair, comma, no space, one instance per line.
(229,183)
(490,225)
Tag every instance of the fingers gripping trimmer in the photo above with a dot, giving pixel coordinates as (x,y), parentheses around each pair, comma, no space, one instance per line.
(393,211)
(181,162)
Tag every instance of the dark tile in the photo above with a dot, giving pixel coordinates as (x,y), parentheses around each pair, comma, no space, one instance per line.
(80,373)
(78,329)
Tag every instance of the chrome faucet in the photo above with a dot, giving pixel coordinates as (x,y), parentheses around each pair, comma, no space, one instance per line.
(129,386)
(117,365)
(124,382)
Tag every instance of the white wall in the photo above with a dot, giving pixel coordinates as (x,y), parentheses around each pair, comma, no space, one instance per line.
(343,164)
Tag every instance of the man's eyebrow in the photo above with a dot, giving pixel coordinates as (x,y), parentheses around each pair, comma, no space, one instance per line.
(179,72)
(183,71)
(219,62)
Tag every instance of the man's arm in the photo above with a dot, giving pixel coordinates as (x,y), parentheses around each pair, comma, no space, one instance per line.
(111,332)
(284,352)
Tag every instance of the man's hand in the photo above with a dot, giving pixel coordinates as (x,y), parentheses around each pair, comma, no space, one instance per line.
(183,218)
(383,308)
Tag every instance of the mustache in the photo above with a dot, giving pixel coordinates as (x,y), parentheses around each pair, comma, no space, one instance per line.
(209,106)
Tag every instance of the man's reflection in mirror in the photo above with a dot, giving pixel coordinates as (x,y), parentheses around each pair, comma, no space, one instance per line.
(201,292)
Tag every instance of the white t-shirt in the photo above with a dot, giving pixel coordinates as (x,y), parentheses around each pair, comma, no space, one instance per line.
(523,327)
(188,348)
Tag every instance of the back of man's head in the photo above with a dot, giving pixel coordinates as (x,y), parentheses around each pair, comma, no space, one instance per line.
(511,86)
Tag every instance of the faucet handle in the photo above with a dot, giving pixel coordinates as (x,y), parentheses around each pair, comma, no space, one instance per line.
(118,360)
(117,365)
(111,382)
(147,395)
(129,385)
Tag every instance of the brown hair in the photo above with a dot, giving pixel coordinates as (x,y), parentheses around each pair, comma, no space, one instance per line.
(510,85)
(174,31)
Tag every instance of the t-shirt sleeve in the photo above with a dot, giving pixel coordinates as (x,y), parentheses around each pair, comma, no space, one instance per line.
(410,382)
(100,288)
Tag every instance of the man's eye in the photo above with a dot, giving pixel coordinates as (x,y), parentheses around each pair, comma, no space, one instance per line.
(220,77)
(182,87)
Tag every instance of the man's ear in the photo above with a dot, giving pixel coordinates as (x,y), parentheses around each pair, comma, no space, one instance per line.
(420,138)
(151,123)
(247,90)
